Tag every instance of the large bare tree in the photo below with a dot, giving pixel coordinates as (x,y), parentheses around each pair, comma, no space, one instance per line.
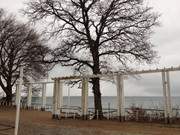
(96,34)
(20,45)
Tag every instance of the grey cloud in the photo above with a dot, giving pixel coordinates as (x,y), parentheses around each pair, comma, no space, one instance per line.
(167,43)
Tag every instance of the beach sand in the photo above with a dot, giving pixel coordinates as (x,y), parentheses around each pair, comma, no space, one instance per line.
(41,123)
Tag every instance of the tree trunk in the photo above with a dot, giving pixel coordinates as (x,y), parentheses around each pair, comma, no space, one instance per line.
(97,98)
(9,96)
(96,83)
(9,99)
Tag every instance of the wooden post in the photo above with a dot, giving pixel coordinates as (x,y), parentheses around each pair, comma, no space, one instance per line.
(55,114)
(59,96)
(84,98)
(17,94)
(43,97)
(120,97)
(19,101)
(169,106)
(165,96)
(29,98)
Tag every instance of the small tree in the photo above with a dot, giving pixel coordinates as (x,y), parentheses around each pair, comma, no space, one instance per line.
(96,34)
(19,46)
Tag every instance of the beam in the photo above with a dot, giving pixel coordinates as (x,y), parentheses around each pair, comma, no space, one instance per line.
(153,71)
(39,82)
(117,73)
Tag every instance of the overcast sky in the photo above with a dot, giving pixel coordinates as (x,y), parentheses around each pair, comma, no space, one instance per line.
(166,39)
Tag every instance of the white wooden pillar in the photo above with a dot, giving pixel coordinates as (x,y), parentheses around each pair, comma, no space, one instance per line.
(84,98)
(43,97)
(169,106)
(17,94)
(55,114)
(29,97)
(120,97)
(167,97)
(59,96)
(20,87)
(164,94)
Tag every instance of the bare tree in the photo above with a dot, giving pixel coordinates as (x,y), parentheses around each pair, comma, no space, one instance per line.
(97,33)
(19,46)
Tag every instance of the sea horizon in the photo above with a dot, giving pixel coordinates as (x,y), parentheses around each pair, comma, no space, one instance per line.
(148,102)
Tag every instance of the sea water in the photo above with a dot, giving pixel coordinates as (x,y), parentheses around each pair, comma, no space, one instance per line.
(111,102)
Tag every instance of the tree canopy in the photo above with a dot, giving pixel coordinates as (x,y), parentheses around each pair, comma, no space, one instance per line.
(96,34)
(20,45)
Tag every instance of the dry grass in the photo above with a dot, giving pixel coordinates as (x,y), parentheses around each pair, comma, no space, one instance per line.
(40,123)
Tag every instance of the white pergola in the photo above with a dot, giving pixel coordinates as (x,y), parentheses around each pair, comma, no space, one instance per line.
(120,91)
(58,91)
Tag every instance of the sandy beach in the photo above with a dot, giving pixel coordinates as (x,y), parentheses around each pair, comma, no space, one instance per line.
(40,123)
